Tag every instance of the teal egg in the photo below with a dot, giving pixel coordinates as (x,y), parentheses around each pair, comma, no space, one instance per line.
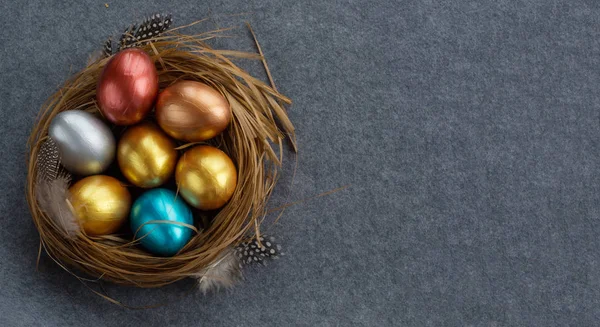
(167,237)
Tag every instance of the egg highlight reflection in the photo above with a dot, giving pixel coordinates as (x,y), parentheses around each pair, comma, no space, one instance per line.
(146,155)
(192,111)
(206,177)
(156,218)
(100,203)
(85,144)
(127,87)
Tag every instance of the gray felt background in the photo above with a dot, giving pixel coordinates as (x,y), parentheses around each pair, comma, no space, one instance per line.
(468,131)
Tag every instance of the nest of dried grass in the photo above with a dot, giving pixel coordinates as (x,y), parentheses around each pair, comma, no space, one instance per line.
(254,141)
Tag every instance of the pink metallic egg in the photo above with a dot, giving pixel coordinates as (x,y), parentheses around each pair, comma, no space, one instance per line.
(127,87)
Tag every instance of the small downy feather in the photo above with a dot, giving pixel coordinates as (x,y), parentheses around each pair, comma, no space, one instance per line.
(224,272)
(150,28)
(52,196)
(255,252)
(101,54)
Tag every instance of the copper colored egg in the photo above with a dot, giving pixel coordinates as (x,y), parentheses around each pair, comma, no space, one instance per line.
(206,177)
(100,203)
(146,155)
(192,111)
(127,87)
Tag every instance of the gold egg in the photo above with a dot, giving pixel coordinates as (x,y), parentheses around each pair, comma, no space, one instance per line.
(100,203)
(192,111)
(146,155)
(206,177)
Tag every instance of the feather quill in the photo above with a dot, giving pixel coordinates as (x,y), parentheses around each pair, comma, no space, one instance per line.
(224,272)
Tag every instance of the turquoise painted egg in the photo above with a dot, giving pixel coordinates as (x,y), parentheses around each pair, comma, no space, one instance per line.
(156,220)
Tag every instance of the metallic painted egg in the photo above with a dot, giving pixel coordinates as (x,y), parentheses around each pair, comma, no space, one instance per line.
(206,177)
(192,111)
(146,155)
(101,203)
(85,144)
(167,237)
(127,87)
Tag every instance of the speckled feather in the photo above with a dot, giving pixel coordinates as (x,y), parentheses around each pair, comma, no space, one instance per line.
(253,252)
(148,29)
(48,162)
(107,49)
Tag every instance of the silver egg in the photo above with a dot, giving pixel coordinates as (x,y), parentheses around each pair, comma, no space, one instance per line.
(85,144)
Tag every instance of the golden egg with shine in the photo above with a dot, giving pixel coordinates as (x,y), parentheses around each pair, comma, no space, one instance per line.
(100,203)
(206,177)
(192,111)
(146,155)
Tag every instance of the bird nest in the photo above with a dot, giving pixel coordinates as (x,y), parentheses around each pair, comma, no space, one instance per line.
(254,140)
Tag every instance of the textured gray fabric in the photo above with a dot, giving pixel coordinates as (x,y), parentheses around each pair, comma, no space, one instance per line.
(468,131)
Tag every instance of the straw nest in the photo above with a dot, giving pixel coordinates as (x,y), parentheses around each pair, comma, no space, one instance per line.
(254,140)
